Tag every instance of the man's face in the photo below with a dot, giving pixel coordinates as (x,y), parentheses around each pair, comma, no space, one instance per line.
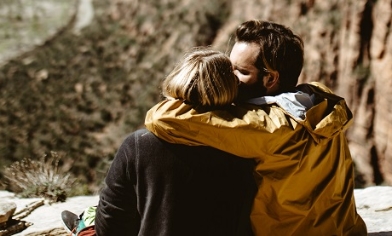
(243,57)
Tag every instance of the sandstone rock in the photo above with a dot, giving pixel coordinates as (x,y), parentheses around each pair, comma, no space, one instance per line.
(46,219)
(374,204)
(50,232)
(7,209)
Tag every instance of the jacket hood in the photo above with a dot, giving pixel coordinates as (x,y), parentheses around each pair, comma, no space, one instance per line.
(295,103)
(328,116)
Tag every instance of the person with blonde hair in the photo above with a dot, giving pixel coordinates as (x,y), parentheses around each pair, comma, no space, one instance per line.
(204,79)
(157,188)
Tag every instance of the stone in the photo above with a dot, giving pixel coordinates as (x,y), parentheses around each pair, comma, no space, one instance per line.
(374,205)
(7,209)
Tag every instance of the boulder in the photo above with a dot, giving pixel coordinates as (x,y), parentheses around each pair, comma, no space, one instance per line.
(7,209)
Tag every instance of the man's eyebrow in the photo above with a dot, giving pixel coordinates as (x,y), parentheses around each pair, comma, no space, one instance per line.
(238,67)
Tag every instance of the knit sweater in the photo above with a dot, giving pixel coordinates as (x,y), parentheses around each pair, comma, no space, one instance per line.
(156,188)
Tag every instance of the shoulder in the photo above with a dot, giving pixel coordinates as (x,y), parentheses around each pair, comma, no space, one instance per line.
(314,87)
(142,141)
(141,135)
(321,86)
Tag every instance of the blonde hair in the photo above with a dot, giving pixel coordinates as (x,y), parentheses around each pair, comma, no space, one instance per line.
(204,79)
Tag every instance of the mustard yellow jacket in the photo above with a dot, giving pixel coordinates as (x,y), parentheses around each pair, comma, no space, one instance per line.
(304,167)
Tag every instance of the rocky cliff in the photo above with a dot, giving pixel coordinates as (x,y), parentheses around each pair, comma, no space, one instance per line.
(348,46)
(80,94)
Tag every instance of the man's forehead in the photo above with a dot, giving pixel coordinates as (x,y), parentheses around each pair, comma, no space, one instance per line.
(244,55)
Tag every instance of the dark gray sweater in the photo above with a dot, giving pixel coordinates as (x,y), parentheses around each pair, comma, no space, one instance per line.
(156,188)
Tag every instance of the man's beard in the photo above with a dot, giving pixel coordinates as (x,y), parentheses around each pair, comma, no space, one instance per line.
(248,91)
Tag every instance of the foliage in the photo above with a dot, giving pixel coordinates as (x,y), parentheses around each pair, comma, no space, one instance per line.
(23,23)
(43,178)
(82,94)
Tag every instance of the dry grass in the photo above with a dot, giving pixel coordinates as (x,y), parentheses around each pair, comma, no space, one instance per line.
(41,178)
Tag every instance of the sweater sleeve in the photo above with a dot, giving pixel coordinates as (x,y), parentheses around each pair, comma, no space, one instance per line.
(117,212)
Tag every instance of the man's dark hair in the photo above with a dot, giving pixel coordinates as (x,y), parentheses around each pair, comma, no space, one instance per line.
(280,50)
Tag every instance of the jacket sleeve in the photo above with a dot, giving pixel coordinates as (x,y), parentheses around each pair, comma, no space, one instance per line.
(242,131)
(116,211)
(250,131)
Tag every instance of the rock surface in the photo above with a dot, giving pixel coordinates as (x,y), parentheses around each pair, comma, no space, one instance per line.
(47,217)
(7,209)
(374,204)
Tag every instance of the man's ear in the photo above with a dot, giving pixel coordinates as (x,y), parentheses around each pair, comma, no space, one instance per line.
(271,81)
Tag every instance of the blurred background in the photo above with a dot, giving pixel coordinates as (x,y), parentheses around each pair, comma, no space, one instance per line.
(77,76)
